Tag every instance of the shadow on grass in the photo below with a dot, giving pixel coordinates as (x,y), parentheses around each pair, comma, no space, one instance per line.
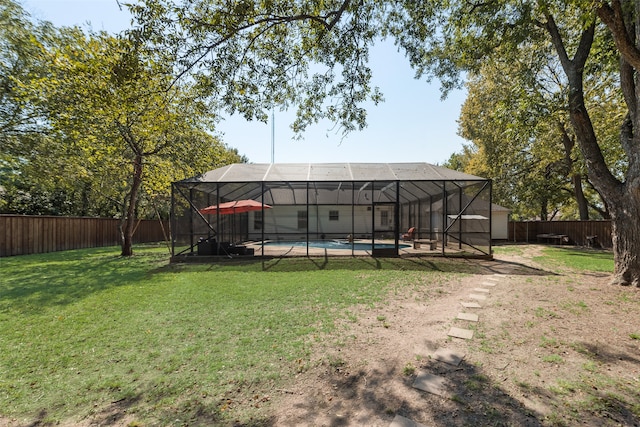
(586,404)
(514,268)
(29,283)
(366,263)
(603,353)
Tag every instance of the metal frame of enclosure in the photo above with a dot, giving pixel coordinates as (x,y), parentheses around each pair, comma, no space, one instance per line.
(364,208)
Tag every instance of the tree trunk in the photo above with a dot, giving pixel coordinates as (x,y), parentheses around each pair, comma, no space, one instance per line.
(583,206)
(129,220)
(626,239)
(576,179)
(623,201)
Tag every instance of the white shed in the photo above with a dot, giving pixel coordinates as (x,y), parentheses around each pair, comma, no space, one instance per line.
(499,222)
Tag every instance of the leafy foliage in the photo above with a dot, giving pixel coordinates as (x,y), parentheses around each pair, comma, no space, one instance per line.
(109,127)
(253,56)
(519,126)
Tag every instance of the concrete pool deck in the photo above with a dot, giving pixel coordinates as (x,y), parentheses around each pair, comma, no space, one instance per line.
(298,249)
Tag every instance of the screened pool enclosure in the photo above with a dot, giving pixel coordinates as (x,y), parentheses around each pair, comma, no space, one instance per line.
(377,209)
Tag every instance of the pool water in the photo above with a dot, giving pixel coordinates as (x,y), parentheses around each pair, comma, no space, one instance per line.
(336,244)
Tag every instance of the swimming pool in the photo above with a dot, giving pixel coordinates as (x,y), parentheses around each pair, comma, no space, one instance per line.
(336,244)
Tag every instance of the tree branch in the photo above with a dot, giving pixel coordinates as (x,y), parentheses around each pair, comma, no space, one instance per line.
(558,44)
(328,21)
(614,17)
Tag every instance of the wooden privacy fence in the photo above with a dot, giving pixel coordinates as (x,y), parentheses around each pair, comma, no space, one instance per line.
(21,235)
(577,231)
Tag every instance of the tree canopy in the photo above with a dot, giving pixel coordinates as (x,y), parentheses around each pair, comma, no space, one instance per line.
(253,56)
(518,124)
(112,128)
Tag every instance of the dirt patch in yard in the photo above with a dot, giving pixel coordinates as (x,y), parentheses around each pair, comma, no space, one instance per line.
(550,348)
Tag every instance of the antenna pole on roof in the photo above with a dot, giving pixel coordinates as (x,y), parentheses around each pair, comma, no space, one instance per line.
(273,134)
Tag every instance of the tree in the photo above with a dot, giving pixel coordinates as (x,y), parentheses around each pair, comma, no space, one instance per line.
(515,117)
(21,124)
(94,124)
(503,120)
(470,35)
(118,112)
(19,48)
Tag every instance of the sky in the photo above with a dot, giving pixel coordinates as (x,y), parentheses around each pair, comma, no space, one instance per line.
(412,125)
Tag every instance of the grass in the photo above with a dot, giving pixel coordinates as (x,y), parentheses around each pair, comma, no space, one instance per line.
(545,313)
(476,382)
(553,358)
(88,333)
(548,342)
(409,369)
(577,259)
(508,249)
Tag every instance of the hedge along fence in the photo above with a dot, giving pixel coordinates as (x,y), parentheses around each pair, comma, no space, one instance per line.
(577,231)
(21,235)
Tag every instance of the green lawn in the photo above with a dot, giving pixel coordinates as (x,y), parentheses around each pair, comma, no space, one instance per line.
(578,259)
(573,257)
(85,331)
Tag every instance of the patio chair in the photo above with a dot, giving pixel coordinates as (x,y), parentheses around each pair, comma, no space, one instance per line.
(409,235)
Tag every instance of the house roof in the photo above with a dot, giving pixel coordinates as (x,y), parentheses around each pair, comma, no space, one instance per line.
(289,183)
(318,172)
(455,199)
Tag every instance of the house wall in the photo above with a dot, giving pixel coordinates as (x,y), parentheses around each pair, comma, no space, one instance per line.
(282,222)
(499,224)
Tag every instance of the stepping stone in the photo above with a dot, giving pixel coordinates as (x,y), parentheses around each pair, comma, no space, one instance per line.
(478,297)
(424,347)
(466,334)
(494,279)
(471,305)
(448,356)
(481,290)
(488,284)
(467,316)
(400,421)
(430,383)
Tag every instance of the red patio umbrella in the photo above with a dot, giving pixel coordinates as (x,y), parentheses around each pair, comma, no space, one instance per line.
(234,207)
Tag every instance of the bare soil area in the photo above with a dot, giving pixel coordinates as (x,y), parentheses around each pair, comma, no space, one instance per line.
(550,348)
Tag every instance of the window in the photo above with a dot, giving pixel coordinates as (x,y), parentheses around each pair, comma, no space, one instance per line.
(334,215)
(384,217)
(257,220)
(302,220)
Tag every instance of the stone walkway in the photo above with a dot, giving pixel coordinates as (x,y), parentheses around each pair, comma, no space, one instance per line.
(437,384)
